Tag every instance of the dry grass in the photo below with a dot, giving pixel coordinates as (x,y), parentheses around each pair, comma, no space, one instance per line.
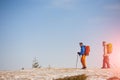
(78,77)
(114,78)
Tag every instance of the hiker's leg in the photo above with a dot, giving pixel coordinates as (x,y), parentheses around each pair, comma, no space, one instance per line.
(107,62)
(84,61)
(103,62)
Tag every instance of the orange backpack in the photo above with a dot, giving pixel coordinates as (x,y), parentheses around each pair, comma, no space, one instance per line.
(87,50)
(109,48)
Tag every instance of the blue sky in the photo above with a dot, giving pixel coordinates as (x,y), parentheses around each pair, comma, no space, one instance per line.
(52,29)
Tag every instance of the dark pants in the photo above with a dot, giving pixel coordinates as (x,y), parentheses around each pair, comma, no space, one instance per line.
(106,62)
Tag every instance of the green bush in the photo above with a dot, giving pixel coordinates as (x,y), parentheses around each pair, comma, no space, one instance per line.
(78,77)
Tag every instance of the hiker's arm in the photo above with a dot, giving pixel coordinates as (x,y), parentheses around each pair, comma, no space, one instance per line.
(82,50)
(78,53)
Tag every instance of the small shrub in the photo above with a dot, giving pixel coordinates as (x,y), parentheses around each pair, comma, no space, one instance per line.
(22,68)
(35,64)
(78,77)
(114,78)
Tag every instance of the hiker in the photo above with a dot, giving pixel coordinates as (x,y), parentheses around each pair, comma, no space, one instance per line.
(83,57)
(106,55)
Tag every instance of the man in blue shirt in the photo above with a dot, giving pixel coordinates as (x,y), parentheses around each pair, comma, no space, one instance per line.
(83,57)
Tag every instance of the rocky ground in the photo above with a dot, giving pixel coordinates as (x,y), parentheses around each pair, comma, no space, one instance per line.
(54,73)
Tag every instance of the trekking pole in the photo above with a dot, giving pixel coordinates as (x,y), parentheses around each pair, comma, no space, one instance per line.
(76,61)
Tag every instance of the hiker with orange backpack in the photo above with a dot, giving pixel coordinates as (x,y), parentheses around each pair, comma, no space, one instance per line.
(107,49)
(84,52)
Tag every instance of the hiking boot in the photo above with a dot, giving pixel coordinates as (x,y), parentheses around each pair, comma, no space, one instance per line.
(103,67)
(84,67)
(108,67)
